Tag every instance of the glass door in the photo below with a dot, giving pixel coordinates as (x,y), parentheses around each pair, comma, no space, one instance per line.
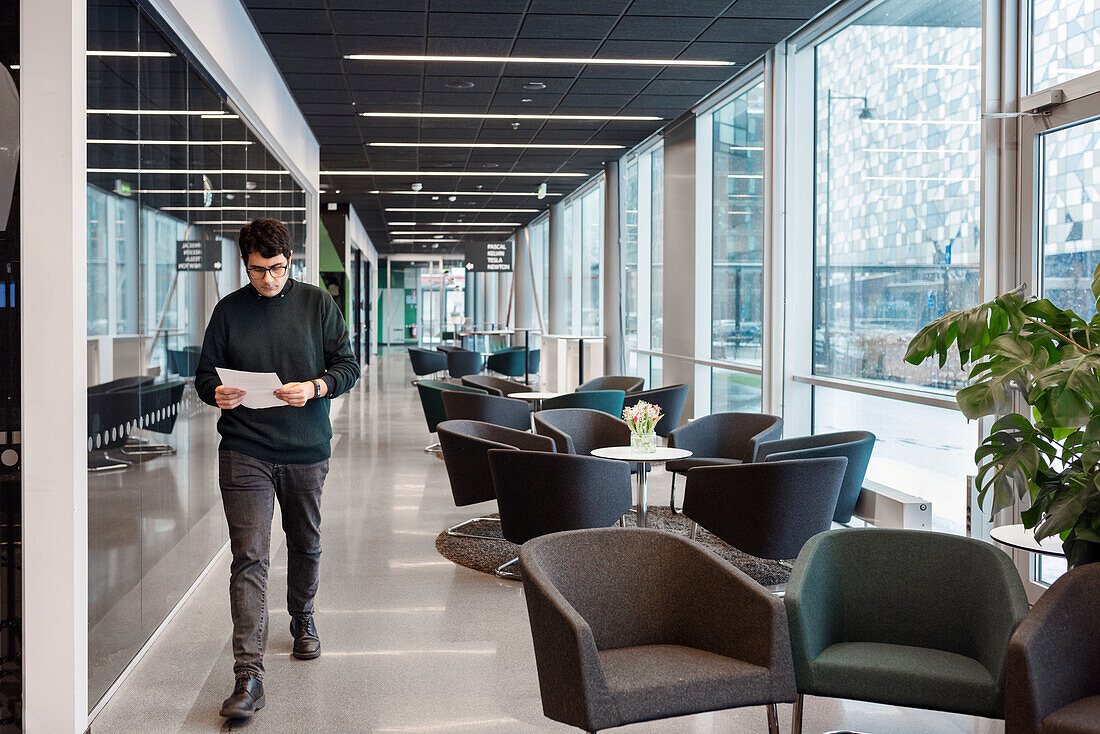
(1061,199)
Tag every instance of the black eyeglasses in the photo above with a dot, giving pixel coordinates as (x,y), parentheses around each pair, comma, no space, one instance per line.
(257,273)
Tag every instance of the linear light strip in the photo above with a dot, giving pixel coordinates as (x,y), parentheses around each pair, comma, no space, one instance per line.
(417,241)
(454,224)
(212,113)
(171,142)
(537,60)
(445,210)
(959,179)
(182,170)
(398,192)
(553,146)
(531,174)
(233,221)
(231,208)
(142,54)
(495,116)
(415,233)
(204,192)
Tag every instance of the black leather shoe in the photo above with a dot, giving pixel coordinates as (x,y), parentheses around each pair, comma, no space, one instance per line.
(306,643)
(247,698)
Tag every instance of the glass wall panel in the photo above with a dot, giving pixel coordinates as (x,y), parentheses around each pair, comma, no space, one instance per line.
(1065,40)
(735,392)
(628,258)
(923,451)
(170,163)
(570,241)
(737,257)
(897,200)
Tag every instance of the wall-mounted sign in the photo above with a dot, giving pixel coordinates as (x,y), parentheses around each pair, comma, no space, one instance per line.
(489,257)
(199,255)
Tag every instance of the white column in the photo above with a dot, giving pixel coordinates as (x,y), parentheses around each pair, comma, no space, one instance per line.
(53,43)
(612,273)
(679,267)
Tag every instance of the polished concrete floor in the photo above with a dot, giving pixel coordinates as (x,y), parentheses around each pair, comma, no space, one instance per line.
(411,642)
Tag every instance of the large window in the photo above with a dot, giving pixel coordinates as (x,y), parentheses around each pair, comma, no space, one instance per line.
(737,260)
(641,242)
(897,200)
(1064,40)
(583,259)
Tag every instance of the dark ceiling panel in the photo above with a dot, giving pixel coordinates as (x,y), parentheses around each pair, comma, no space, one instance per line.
(309,37)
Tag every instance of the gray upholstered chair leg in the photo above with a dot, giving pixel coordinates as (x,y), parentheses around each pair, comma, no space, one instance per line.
(773,719)
(796,715)
(454,532)
(622,521)
(694,529)
(672,495)
(504,574)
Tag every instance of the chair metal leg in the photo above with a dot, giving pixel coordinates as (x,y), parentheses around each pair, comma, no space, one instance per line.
(433,448)
(694,529)
(773,719)
(672,495)
(454,533)
(796,716)
(622,521)
(509,574)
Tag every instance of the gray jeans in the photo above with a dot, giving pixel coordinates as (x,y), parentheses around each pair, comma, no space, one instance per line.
(249,488)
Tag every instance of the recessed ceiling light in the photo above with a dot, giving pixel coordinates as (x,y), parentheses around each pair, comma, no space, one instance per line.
(493,116)
(416,233)
(204,113)
(490,165)
(216,172)
(413,241)
(532,174)
(460,84)
(534,86)
(455,224)
(527,99)
(171,142)
(142,54)
(540,146)
(538,60)
(445,209)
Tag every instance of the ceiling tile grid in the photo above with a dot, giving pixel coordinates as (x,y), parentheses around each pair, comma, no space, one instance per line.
(484,163)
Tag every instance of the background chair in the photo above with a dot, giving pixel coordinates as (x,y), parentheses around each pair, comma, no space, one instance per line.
(426,362)
(579,430)
(184,361)
(465,446)
(461,363)
(1053,668)
(540,493)
(905,618)
(448,348)
(856,446)
(431,402)
(670,398)
(720,438)
(508,361)
(534,358)
(614,382)
(633,625)
(507,412)
(494,385)
(766,510)
(608,401)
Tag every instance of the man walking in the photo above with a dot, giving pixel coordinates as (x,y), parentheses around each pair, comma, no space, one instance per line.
(273,324)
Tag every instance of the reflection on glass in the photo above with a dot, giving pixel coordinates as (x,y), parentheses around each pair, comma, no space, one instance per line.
(1069,240)
(923,451)
(897,199)
(734,392)
(628,255)
(567,242)
(1065,37)
(737,256)
(154,509)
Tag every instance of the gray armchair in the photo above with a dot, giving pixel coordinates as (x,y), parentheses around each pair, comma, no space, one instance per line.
(633,625)
(579,430)
(625,383)
(1053,668)
(904,618)
(720,438)
(469,406)
(494,385)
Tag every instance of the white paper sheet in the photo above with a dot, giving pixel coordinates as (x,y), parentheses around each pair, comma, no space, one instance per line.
(258,387)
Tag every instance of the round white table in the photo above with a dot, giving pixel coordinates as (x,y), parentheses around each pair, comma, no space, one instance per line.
(535,398)
(1017,536)
(625,453)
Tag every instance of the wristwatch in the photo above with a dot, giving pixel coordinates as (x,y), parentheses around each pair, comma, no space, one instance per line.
(316,388)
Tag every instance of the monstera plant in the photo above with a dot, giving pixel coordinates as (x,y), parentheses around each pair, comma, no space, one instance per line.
(1028,352)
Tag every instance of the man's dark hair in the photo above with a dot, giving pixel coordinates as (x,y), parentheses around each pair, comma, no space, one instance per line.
(265,237)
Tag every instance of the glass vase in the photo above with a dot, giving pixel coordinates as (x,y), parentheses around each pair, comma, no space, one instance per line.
(645,443)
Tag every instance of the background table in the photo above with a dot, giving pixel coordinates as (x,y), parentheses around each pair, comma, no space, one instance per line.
(1017,536)
(625,453)
(535,398)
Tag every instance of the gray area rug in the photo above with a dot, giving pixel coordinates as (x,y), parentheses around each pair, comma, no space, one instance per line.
(487,555)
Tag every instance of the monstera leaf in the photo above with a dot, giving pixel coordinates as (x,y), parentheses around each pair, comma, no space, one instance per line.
(1030,351)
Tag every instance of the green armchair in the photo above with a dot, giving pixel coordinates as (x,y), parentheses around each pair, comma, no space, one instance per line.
(904,618)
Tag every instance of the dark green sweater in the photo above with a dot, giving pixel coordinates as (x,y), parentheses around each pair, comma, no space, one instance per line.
(298,334)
